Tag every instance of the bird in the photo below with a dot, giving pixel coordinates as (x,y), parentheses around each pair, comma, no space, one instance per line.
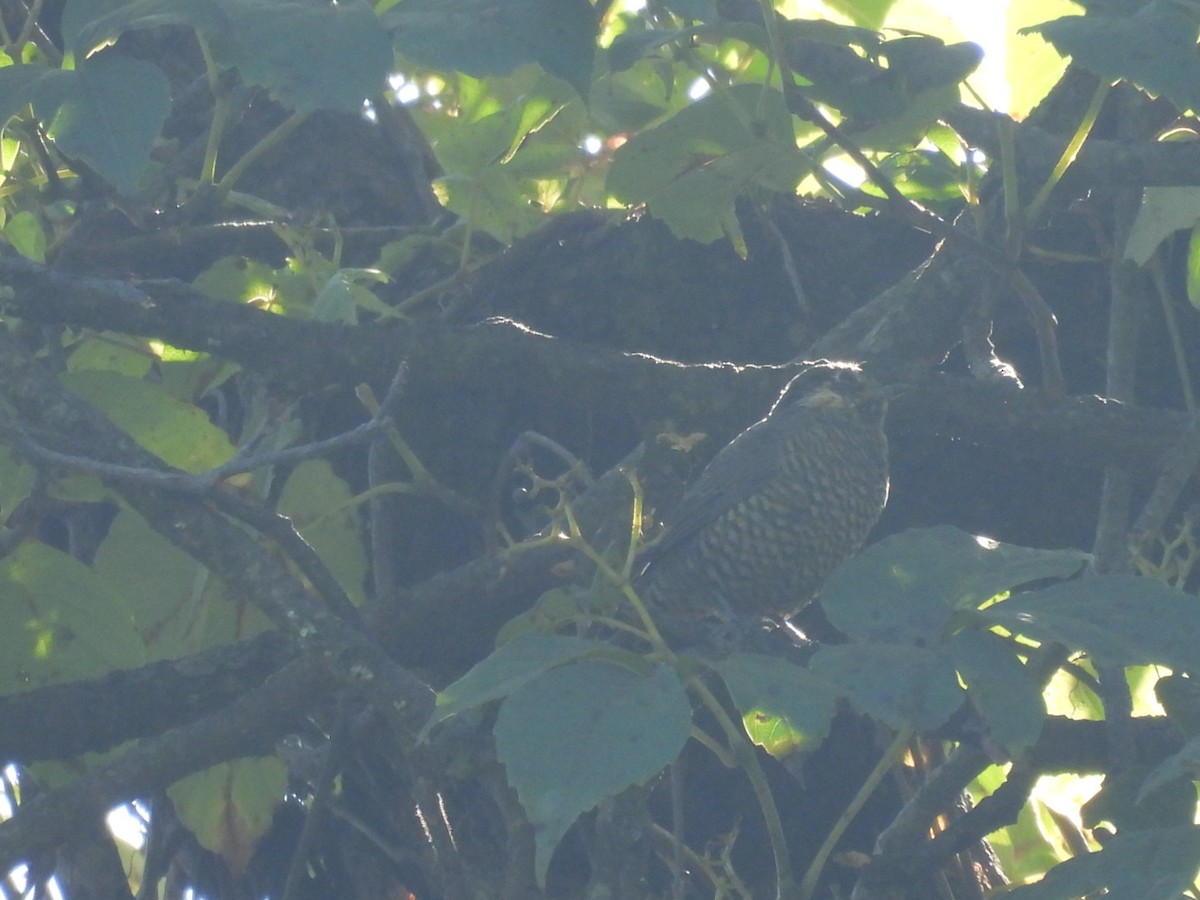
(779,507)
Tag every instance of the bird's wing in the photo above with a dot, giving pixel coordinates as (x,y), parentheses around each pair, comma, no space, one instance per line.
(738,471)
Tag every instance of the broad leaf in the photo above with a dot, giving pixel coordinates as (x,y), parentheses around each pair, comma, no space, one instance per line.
(19,85)
(1135,865)
(784,707)
(1154,47)
(509,667)
(585,732)
(59,621)
(230,806)
(107,113)
(494,37)
(1008,697)
(899,686)
(691,168)
(322,508)
(1164,210)
(89,25)
(309,55)
(1120,620)
(178,433)
(906,588)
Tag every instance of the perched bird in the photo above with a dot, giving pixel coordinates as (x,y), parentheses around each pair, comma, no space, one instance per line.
(779,507)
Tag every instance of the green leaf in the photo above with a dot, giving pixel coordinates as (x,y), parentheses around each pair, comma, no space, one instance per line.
(1128,802)
(1120,620)
(109,353)
(238,279)
(494,37)
(230,806)
(19,84)
(1163,211)
(509,667)
(473,147)
(59,621)
(1157,864)
(156,579)
(1180,697)
(907,588)
(1193,266)
(25,233)
(491,200)
(630,101)
(585,732)
(323,510)
(88,26)
(691,168)
(630,46)
(785,708)
(310,56)
(335,301)
(1008,698)
(107,113)
(899,686)
(925,63)
(867,13)
(17,479)
(179,607)
(1154,48)
(178,433)
(1030,65)
(1179,768)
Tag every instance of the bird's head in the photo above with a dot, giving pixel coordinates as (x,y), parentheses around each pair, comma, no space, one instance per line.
(835,384)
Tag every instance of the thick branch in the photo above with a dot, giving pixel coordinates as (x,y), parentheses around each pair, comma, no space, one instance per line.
(902,324)
(62,721)
(249,569)
(250,725)
(1099,163)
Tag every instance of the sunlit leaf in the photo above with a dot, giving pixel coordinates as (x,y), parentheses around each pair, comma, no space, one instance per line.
(1152,46)
(908,587)
(59,621)
(178,433)
(1157,864)
(785,708)
(230,806)
(1120,620)
(319,503)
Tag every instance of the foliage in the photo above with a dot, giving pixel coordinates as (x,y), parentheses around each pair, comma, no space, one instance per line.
(935,585)
(164,487)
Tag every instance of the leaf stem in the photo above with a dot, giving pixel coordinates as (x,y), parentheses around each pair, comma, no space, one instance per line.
(269,141)
(808,886)
(743,750)
(1069,152)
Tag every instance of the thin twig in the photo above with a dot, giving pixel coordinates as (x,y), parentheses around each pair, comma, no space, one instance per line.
(204,482)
